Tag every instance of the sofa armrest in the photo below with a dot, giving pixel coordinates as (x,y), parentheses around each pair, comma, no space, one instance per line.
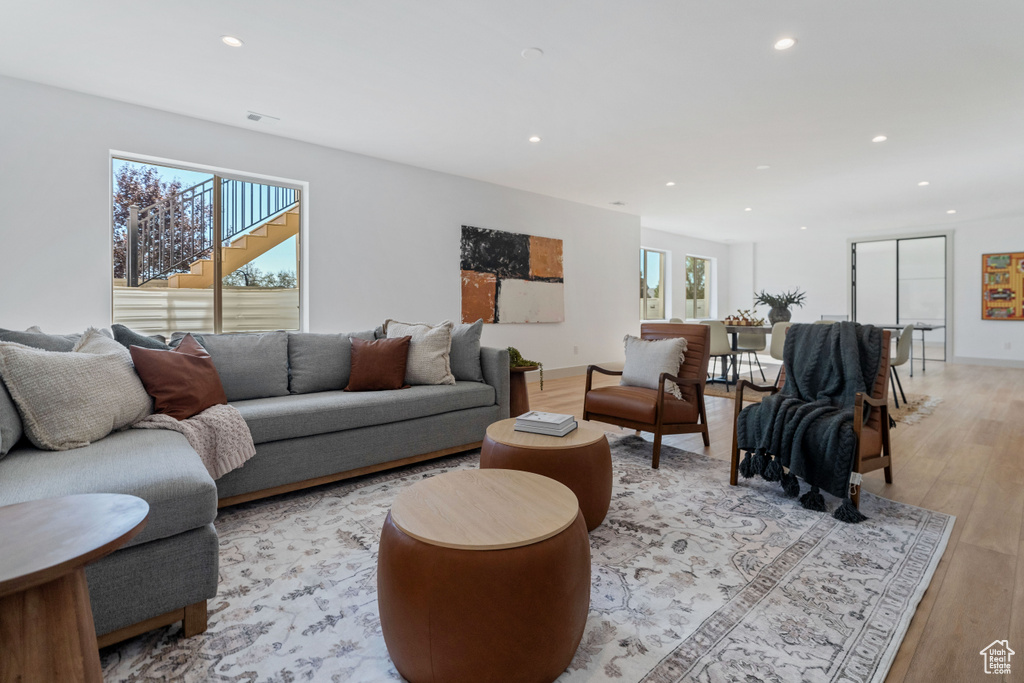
(494,363)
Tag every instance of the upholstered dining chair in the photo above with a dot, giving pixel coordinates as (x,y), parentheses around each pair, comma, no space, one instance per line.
(874,449)
(721,347)
(902,355)
(750,343)
(778,345)
(675,320)
(655,410)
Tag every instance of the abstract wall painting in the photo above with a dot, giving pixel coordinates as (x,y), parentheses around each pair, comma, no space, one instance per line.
(1002,287)
(508,277)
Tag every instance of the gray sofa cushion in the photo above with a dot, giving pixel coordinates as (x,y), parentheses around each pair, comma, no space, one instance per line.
(10,422)
(465,353)
(154,464)
(273,419)
(39,340)
(128,337)
(250,365)
(318,362)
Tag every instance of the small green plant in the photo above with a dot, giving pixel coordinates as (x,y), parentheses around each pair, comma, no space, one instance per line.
(784,300)
(516,360)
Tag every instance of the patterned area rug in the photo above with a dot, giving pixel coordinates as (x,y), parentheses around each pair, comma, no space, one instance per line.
(693,580)
(917,407)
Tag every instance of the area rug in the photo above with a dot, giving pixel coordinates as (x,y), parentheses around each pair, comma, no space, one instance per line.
(692,580)
(916,407)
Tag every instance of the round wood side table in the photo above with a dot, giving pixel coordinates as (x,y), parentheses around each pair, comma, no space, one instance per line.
(518,396)
(46,627)
(483,575)
(582,460)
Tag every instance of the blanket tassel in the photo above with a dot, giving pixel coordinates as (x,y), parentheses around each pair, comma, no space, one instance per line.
(747,466)
(773,470)
(813,500)
(848,513)
(760,461)
(790,485)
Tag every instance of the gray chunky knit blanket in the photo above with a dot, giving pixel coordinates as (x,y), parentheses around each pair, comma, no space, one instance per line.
(807,427)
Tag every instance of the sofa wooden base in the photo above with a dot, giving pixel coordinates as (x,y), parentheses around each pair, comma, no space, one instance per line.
(192,618)
(331,478)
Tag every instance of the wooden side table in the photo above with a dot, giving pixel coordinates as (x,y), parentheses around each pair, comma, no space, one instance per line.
(46,627)
(582,460)
(519,398)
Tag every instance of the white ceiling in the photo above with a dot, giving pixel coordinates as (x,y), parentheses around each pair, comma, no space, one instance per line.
(630,94)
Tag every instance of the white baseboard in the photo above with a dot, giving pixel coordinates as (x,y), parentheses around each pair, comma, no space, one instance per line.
(993,362)
(570,371)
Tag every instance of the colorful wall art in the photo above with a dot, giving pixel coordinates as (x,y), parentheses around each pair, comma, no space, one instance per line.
(511,278)
(1002,286)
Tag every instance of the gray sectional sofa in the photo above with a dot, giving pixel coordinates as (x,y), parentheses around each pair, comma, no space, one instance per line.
(307,431)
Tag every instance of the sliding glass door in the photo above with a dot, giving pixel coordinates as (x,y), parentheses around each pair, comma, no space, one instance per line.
(902,282)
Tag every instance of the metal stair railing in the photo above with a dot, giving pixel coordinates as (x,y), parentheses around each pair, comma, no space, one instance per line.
(168,236)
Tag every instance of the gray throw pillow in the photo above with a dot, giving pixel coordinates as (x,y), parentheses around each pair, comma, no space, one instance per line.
(37,340)
(68,400)
(646,360)
(318,362)
(429,350)
(10,422)
(127,337)
(465,354)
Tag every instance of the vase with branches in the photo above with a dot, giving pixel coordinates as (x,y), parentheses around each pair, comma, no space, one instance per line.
(780,303)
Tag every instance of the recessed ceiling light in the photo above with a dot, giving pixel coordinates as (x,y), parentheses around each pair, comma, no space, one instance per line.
(762,167)
(669,184)
(534,138)
(532,53)
(617,203)
(923,183)
(951,211)
(748,209)
(231,41)
(879,138)
(785,43)
(803,227)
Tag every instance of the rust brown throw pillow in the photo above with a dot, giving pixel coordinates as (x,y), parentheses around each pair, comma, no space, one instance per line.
(183,381)
(378,365)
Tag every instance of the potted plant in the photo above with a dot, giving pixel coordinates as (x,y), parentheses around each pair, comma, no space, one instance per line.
(516,360)
(779,304)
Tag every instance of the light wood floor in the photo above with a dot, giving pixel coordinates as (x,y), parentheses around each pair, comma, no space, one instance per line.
(966,459)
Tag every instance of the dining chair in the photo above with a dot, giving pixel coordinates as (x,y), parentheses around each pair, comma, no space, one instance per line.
(675,320)
(901,356)
(721,348)
(750,343)
(778,345)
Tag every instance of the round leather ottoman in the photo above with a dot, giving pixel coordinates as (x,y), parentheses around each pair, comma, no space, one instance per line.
(483,576)
(582,460)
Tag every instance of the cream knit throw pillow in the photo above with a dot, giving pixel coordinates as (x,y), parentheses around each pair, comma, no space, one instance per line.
(429,359)
(68,400)
(646,360)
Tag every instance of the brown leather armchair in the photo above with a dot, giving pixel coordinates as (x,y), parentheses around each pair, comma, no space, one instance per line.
(654,410)
(874,450)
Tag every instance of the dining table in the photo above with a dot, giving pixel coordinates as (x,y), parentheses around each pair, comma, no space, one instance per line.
(734,332)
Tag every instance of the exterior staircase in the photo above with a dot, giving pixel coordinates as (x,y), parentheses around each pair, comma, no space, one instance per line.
(240,251)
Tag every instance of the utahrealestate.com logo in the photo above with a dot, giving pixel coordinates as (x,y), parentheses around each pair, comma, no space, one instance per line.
(997,657)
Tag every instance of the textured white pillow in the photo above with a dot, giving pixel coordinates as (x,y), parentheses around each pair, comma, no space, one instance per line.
(68,400)
(646,360)
(429,359)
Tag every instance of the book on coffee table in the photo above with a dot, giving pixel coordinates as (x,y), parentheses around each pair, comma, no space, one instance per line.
(552,424)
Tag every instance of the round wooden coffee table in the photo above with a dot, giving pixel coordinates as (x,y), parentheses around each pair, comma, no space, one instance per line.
(46,627)
(582,460)
(483,575)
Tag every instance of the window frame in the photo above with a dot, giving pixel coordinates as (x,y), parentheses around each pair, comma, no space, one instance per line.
(663,283)
(709,287)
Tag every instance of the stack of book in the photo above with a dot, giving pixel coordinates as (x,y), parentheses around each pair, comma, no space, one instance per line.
(552,424)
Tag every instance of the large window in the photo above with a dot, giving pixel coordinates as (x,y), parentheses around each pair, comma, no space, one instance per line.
(652,285)
(199,252)
(698,287)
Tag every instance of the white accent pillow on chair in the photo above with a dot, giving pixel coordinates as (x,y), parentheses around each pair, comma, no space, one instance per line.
(646,360)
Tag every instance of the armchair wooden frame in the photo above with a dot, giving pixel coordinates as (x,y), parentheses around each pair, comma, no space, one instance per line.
(865,462)
(660,428)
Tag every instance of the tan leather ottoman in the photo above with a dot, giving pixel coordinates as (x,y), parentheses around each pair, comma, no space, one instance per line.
(582,460)
(483,576)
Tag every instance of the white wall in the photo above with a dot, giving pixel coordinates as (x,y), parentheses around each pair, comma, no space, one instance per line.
(383,238)
(820,265)
(681,246)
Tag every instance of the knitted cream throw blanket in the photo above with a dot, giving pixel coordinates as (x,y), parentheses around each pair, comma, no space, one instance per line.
(218,434)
